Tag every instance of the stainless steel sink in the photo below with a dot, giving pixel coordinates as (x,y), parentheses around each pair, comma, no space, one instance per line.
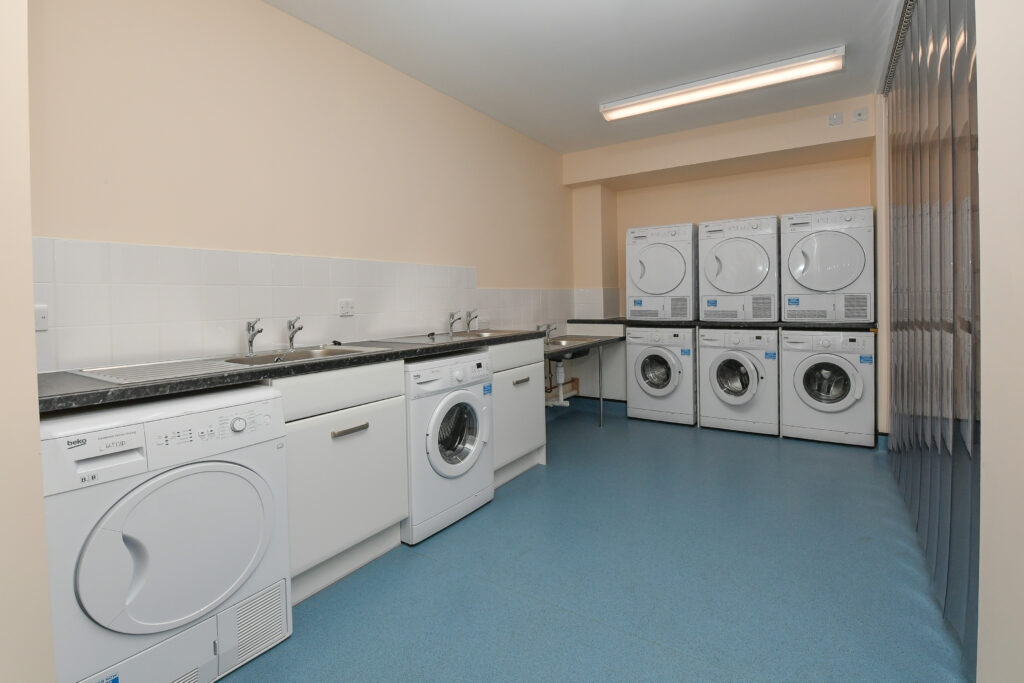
(484,334)
(568,346)
(309,353)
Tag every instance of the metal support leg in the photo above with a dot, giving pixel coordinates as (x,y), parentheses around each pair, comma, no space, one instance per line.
(600,386)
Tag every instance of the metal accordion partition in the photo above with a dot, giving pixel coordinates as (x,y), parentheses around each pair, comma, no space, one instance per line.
(934,431)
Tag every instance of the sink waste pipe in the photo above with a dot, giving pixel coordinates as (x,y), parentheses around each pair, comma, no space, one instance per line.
(560,380)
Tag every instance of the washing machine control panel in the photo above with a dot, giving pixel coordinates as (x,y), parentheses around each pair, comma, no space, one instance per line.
(763,225)
(846,343)
(431,378)
(665,233)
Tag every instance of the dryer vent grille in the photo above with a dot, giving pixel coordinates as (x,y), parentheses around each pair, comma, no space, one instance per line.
(643,313)
(855,306)
(191,677)
(262,622)
(719,314)
(807,314)
(762,307)
(680,306)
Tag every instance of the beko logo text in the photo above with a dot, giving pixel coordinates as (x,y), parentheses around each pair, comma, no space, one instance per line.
(75,443)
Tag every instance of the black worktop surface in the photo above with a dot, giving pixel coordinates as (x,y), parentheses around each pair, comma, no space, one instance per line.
(730,324)
(69,390)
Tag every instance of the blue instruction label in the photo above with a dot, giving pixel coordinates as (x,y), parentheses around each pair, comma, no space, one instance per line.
(638,302)
(712,303)
(771,355)
(684,352)
(869,360)
(793,301)
(487,389)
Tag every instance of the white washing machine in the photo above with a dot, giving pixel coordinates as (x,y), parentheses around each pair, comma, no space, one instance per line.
(739,274)
(739,380)
(451,467)
(828,386)
(661,381)
(660,282)
(167,533)
(828,266)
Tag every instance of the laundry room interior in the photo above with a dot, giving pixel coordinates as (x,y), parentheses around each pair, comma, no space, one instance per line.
(353,341)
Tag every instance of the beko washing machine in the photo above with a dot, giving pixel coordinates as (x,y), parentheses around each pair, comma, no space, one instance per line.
(828,266)
(167,534)
(451,466)
(660,282)
(660,382)
(739,269)
(828,386)
(739,380)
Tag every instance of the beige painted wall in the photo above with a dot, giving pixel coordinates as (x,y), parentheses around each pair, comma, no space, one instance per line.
(230,124)
(25,647)
(1001,207)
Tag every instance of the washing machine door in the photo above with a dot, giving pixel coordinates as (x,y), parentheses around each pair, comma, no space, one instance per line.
(657,269)
(457,432)
(827,383)
(827,261)
(657,371)
(735,377)
(174,548)
(737,265)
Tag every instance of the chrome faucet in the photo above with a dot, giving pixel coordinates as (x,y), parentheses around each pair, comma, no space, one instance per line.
(548,329)
(452,319)
(293,330)
(252,331)
(470,317)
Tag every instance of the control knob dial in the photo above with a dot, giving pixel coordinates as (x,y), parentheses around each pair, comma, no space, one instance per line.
(238,424)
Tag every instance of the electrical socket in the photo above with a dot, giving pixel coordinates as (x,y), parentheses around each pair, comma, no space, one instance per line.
(835,119)
(346,307)
(42,317)
(860,114)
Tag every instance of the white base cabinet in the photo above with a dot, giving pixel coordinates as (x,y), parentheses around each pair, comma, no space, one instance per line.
(519,420)
(347,479)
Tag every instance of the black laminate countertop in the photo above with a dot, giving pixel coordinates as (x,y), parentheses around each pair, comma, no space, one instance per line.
(733,324)
(69,390)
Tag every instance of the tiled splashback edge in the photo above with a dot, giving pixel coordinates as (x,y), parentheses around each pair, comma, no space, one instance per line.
(112,303)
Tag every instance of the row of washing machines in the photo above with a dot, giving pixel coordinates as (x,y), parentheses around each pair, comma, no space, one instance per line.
(806,384)
(820,268)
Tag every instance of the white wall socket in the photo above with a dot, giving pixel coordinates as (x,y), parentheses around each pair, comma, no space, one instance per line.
(346,307)
(42,317)
(835,119)
(860,114)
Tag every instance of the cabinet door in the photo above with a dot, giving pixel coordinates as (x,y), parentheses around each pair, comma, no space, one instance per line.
(347,479)
(518,412)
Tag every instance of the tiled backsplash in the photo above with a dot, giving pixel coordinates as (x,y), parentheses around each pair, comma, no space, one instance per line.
(115,303)
(596,302)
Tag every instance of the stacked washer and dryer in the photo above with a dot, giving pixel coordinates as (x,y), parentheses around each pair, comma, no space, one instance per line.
(783,342)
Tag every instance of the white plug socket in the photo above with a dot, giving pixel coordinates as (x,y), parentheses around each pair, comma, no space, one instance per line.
(346,307)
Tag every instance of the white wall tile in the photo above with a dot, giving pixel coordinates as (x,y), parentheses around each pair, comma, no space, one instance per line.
(43,293)
(42,259)
(180,303)
(223,337)
(181,340)
(179,266)
(255,301)
(288,301)
(46,351)
(219,267)
(287,270)
(343,272)
(81,305)
(255,269)
(83,347)
(219,302)
(134,344)
(134,304)
(316,272)
(81,262)
(134,264)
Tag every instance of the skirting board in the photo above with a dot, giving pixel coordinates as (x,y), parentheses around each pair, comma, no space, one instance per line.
(520,465)
(315,579)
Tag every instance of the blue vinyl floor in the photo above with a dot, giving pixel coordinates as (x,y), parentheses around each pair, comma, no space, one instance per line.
(645,551)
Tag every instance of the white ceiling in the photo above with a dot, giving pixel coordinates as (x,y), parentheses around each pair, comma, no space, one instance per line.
(543,66)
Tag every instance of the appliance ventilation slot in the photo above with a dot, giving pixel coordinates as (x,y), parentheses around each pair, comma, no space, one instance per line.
(191,677)
(762,306)
(715,314)
(680,306)
(643,313)
(807,314)
(261,622)
(855,306)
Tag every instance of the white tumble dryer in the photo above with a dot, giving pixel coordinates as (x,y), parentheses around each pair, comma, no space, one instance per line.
(661,381)
(828,386)
(451,466)
(167,534)
(739,273)
(739,380)
(828,266)
(660,282)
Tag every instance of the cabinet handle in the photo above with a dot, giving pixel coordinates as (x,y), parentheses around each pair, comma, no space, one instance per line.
(521,380)
(350,430)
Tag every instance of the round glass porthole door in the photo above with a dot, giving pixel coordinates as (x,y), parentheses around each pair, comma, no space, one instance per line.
(658,269)
(737,265)
(174,548)
(734,377)
(457,433)
(657,371)
(827,383)
(827,261)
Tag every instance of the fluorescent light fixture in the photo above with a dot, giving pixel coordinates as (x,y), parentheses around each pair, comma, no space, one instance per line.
(793,69)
